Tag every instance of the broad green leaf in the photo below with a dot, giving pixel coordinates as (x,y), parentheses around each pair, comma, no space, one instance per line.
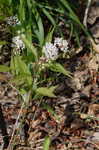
(56,67)
(45,91)
(20,79)
(21,69)
(46,144)
(30,46)
(22,66)
(4,68)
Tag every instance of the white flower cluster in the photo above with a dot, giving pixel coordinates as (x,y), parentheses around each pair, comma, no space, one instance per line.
(13,20)
(17,43)
(51,51)
(61,44)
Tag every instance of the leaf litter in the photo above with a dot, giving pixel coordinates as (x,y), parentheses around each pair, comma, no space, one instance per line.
(72,129)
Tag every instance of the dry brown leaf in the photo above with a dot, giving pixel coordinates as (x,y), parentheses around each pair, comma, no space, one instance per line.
(35,123)
(93,109)
(86,90)
(3,77)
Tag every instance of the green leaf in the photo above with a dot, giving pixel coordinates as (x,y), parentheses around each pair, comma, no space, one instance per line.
(45,91)
(3,42)
(73,16)
(49,35)
(4,68)
(30,46)
(67,6)
(21,11)
(22,66)
(26,97)
(20,79)
(20,69)
(48,16)
(47,142)
(38,25)
(24,69)
(77,37)
(56,67)
(2,18)
(12,65)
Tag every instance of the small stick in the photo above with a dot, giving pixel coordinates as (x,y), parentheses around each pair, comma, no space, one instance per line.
(15,126)
(86,13)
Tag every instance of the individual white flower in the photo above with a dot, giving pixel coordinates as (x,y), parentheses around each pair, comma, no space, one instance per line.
(50,51)
(13,20)
(17,43)
(61,44)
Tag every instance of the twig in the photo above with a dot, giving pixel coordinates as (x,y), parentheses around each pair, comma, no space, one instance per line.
(15,126)
(86,13)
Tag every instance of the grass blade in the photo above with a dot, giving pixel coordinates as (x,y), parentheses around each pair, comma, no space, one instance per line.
(47,142)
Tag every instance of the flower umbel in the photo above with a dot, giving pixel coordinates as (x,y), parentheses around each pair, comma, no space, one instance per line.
(50,51)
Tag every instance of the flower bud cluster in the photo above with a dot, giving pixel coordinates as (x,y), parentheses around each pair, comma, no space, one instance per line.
(51,50)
